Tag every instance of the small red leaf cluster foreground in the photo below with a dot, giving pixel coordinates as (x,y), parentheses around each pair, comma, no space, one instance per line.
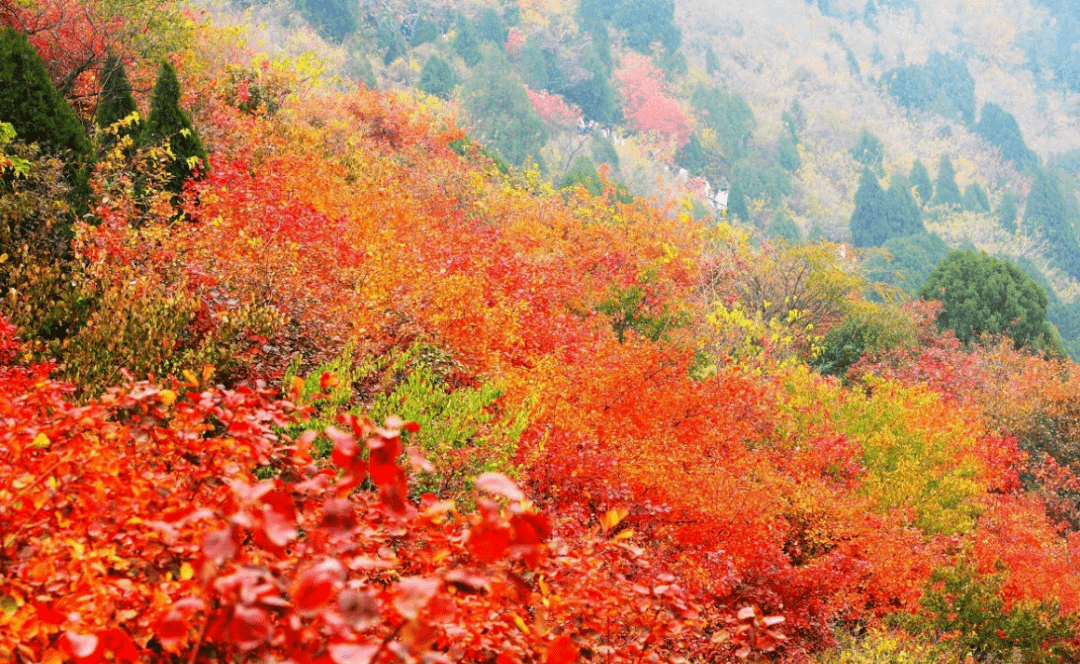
(134,530)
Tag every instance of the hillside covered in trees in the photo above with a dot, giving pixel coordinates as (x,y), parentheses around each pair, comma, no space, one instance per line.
(520,332)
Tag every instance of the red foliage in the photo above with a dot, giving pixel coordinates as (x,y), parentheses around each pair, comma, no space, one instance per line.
(646,102)
(135,529)
(554,110)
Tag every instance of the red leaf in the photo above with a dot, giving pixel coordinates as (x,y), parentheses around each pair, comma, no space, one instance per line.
(500,485)
(313,587)
(279,518)
(561,651)
(49,615)
(358,608)
(488,542)
(345,447)
(350,653)
(172,629)
(339,517)
(120,645)
(413,594)
(467,582)
(530,528)
(220,545)
(83,648)
(328,381)
(249,628)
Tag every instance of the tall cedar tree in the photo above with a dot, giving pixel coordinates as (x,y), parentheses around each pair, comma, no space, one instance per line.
(1000,128)
(920,179)
(30,102)
(491,27)
(904,215)
(1051,213)
(437,78)
(168,122)
(466,41)
(868,225)
(40,114)
(116,102)
(981,294)
(946,192)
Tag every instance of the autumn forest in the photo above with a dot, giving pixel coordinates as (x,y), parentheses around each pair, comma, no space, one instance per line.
(539,331)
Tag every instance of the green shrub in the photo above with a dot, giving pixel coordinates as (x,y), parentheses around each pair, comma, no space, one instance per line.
(964,607)
(463,433)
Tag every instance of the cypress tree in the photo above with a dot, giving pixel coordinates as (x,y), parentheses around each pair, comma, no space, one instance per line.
(920,179)
(437,78)
(945,190)
(116,102)
(32,105)
(168,122)
(1000,128)
(975,199)
(533,66)
(737,205)
(903,213)
(491,28)
(868,151)
(1051,213)
(466,42)
(869,222)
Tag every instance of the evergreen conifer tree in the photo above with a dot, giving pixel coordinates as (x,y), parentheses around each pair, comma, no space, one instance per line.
(868,151)
(116,102)
(920,179)
(437,78)
(500,112)
(1000,128)
(737,202)
(691,156)
(904,217)
(466,41)
(1051,213)
(975,199)
(1007,211)
(168,122)
(946,192)
(32,105)
(533,65)
(712,63)
(583,173)
(869,221)
(491,28)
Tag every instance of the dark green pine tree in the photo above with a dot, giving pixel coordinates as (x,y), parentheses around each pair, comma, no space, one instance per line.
(437,78)
(869,222)
(946,192)
(466,42)
(975,199)
(904,217)
(868,151)
(737,202)
(920,179)
(33,106)
(1051,213)
(582,173)
(533,65)
(116,103)
(168,122)
(692,156)
(712,63)
(1000,128)
(491,27)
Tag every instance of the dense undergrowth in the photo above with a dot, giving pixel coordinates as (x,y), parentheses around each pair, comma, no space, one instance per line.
(276,417)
